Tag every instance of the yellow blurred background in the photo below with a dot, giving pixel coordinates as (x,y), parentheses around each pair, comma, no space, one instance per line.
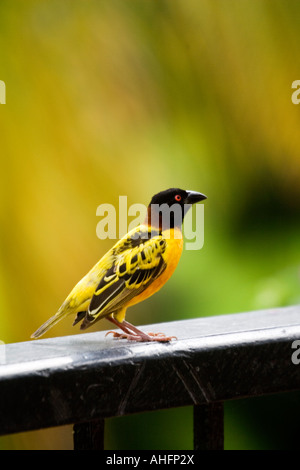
(129,97)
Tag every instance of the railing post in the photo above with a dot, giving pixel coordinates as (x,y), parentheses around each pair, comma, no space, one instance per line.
(89,435)
(209,426)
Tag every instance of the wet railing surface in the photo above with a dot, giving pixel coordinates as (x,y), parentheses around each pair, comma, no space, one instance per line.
(83,379)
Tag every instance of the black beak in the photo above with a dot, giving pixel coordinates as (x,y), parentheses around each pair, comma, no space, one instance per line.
(194,197)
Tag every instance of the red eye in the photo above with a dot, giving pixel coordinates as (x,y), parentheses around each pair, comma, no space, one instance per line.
(178,197)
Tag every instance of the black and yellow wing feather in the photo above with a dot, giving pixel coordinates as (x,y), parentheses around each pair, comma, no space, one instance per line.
(137,262)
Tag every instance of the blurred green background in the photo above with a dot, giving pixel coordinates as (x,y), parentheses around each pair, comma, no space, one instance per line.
(130,97)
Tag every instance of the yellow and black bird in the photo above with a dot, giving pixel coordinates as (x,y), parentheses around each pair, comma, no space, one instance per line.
(136,267)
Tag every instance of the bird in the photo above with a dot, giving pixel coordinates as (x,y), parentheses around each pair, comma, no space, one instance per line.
(136,267)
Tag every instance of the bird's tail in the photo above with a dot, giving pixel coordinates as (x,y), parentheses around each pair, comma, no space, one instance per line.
(62,312)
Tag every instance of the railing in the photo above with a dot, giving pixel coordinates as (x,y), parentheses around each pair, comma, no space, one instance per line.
(83,379)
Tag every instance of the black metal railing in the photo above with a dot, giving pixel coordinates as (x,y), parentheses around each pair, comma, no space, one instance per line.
(83,379)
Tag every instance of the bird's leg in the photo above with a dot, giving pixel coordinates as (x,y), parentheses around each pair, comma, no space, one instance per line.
(134,334)
(115,333)
(130,335)
(148,336)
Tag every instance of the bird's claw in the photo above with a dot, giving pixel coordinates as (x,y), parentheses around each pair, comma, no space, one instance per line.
(117,335)
(160,337)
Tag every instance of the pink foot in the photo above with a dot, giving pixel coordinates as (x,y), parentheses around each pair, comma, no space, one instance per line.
(160,337)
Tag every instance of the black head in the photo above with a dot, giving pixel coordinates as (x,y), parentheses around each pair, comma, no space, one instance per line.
(171,205)
(177,196)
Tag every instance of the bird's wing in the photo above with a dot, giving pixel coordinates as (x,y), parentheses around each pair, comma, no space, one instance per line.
(138,262)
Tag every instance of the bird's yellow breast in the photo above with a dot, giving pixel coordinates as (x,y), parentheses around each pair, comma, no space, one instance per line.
(171,257)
